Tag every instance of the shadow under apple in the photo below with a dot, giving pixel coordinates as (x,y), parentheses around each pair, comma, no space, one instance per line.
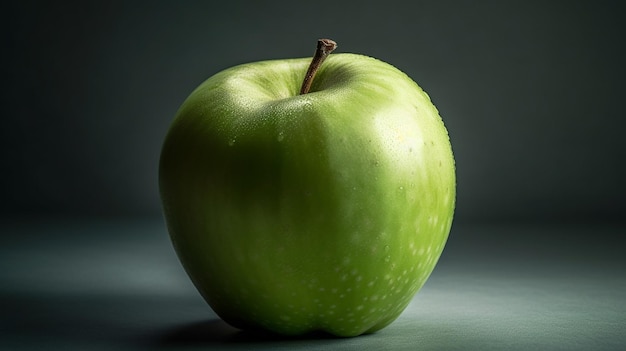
(216,331)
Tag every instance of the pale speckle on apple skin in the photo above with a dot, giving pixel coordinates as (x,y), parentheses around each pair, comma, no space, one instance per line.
(360,313)
(399,285)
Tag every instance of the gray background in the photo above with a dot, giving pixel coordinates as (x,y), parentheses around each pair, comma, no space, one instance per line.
(531,92)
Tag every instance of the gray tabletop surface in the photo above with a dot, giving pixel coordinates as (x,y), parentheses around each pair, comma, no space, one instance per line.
(117,285)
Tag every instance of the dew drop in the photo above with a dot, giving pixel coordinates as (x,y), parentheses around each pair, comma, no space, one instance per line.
(232,142)
(280,137)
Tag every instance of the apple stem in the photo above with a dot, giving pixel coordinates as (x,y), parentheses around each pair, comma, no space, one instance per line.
(324,48)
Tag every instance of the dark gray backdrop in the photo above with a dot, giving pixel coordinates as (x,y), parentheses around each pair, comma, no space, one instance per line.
(531,92)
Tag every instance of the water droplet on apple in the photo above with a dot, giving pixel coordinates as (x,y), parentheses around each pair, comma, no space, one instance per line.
(232,141)
(387,248)
(280,137)
(387,258)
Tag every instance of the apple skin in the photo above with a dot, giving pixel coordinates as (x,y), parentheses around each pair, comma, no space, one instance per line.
(318,212)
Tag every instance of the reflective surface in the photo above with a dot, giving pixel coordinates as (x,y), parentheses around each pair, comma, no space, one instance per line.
(83,285)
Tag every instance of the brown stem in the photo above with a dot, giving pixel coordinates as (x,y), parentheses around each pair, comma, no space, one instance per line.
(324,48)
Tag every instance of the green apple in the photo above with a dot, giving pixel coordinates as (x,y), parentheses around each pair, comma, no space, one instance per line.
(323,211)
